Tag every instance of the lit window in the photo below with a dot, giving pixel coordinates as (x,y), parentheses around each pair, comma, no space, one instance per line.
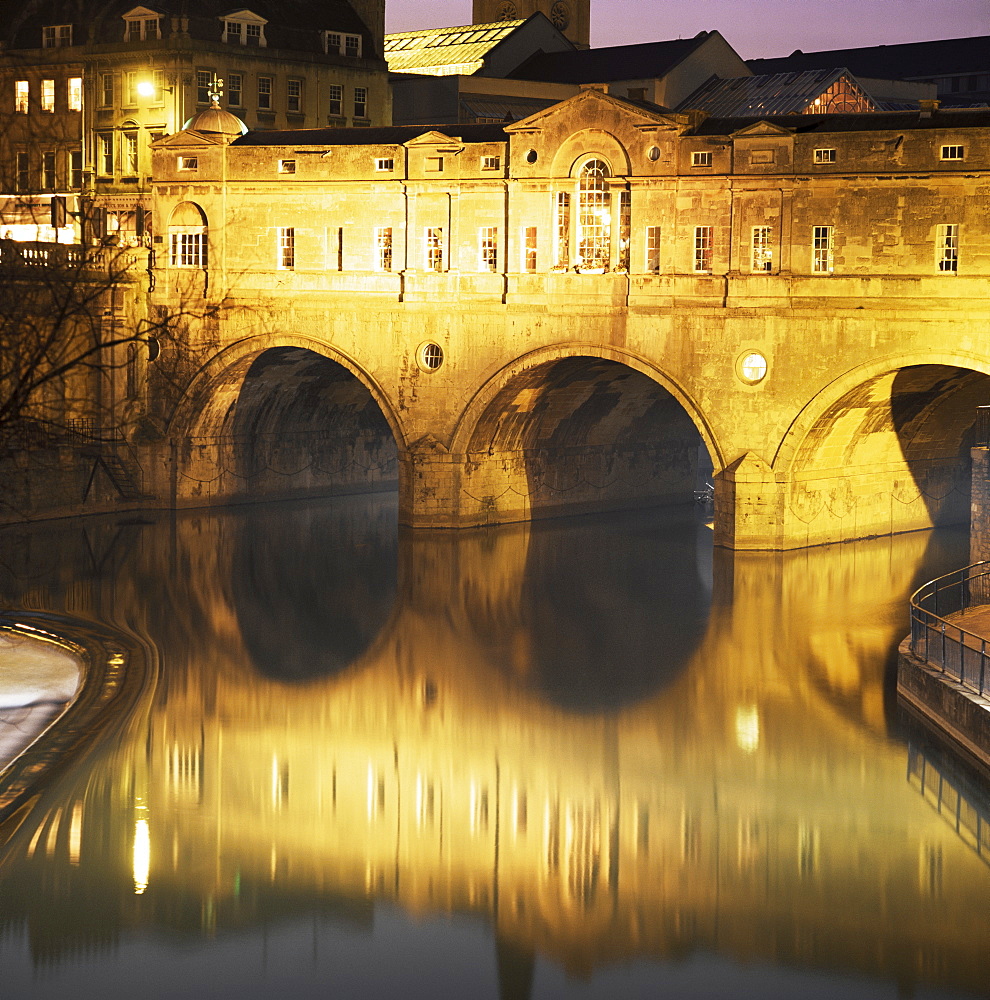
(434,249)
(823,239)
(701,159)
(188,163)
(22,93)
(953,152)
(947,248)
(54,36)
(74,98)
(105,140)
(385,163)
(383,242)
(703,248)
(204,85)
(188,249)
(625,225)
(360,102)
(48,95)
(287,248)
(824,156)
(594,215)
(335,99)
(286,166)
(762,253)
(264,92)
(563,229)
(130,154)
(48,171)
(529,248)
(653,249)
(235,87)
(488,248)
(293,95)
(490,162)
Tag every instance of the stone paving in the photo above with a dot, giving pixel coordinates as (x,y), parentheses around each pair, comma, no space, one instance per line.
(37,681)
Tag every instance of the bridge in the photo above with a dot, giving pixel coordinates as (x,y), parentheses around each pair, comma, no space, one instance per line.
(565,314)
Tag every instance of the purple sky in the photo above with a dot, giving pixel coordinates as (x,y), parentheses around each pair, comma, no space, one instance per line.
(752,27)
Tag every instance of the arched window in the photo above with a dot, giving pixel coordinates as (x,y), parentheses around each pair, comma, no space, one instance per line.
(187,236)
(594,215)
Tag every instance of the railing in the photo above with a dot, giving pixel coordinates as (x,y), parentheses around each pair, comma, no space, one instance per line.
(944,644)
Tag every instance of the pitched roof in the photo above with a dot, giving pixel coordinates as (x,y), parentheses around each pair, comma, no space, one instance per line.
(455,51)
(619,62)
(912,60)
(391,135)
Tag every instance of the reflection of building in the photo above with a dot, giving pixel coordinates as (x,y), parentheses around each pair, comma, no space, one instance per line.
(88,87)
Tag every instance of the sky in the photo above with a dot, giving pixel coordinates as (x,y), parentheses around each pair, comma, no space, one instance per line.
(754,28)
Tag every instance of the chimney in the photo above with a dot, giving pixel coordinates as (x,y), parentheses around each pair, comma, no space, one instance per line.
(927,108)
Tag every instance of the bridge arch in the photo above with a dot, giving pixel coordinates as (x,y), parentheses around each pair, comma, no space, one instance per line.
(577,428)
(883,448)
(282,415)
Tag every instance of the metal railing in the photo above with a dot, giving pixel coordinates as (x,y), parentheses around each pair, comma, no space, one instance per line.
(943,643)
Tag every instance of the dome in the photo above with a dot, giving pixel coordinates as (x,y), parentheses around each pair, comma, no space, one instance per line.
(215,120)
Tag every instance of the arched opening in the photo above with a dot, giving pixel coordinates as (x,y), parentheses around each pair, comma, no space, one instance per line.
(188,236)
(287,422)
(581,434)
(890,454)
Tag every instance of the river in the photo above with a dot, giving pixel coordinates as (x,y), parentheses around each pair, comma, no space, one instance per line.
(585,758)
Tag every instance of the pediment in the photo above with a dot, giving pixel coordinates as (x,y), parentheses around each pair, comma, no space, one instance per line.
(189,137)
(243,15)
(140,13)
(433,139)
(762,129)
(592,101)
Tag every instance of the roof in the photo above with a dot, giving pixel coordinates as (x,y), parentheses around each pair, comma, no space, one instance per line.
(391,135)
(876,121)
(778,94)
(912,60)
(457,51)
(618,62)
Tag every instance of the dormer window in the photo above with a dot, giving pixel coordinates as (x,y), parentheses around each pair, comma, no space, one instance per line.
(142,24)
(341,43)
(54,36)
(244,27)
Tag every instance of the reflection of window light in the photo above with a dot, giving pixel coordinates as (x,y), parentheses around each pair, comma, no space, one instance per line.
(141,861)
(747,728)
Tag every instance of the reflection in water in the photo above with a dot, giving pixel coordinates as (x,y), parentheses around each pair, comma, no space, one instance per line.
(576,742)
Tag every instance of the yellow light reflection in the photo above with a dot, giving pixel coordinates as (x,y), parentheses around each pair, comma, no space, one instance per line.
(141,862)
(747,728)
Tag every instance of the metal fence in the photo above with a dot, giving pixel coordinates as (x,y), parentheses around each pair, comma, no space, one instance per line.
(937,634)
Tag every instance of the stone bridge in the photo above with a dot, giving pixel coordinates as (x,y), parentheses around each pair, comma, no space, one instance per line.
(831,372)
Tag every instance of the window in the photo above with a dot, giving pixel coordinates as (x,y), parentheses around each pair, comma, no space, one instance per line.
(293,95)
(360,102)
(385,163)
(953,152)
(653,249)
(131,90)
(701,159)
(22,171)
(594,215)
(383,243)
(188,249)
(129,154)
(75,169)
(490,162)
(331,41)
(287,249)
(204,85)
(352,45)
(529,248)
(488,248)
(762,259)
(264,92)
(232,32)
(254,34)
(244,31)
(434,164)
(188,163)
(625,221)
(54,36)
(74,93)
(48,95)
(824,156)
(702,248)
(563,229)
(106,90)
(140,29)
(22,95)
(434,249)
(345,45)
(823,241)
(759,157)
(235,87)
(105,153)
(286,166)
(947,248)
(335,97)
(48,171)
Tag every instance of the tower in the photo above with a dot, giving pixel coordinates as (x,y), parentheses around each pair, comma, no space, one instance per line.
(571,17)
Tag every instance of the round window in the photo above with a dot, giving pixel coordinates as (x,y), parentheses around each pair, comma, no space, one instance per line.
(430,357)
(753,368)
(654,153)
(531,156)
